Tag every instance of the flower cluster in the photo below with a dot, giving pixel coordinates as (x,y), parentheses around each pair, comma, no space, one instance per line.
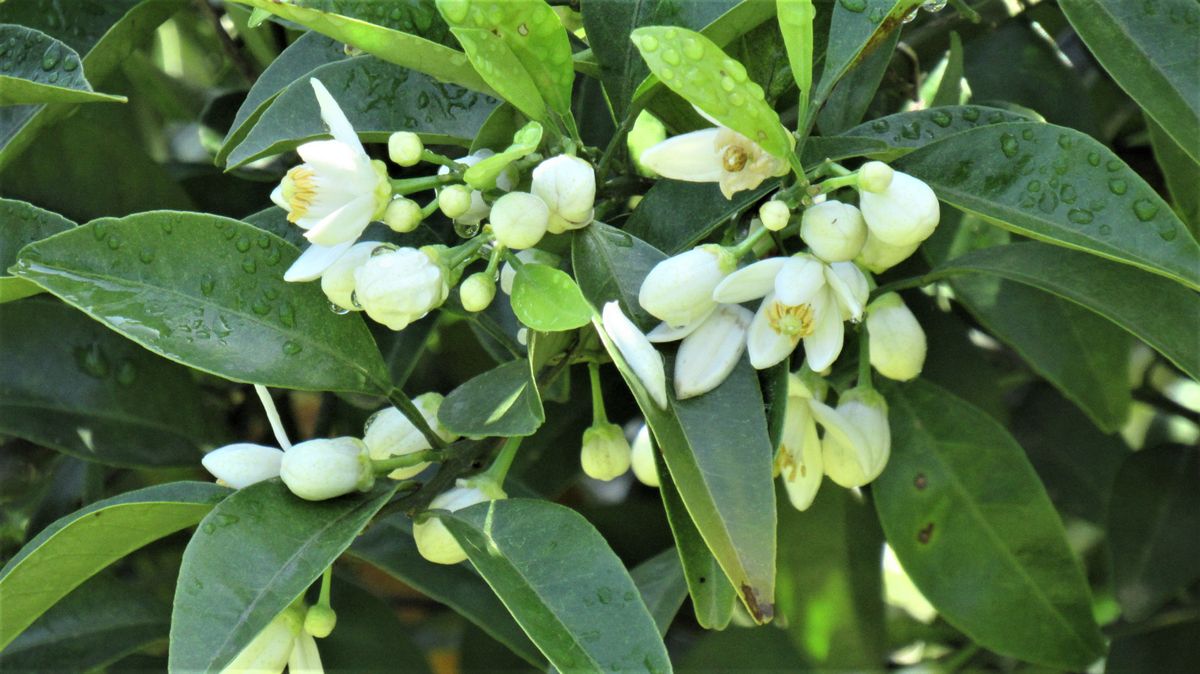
(339,190)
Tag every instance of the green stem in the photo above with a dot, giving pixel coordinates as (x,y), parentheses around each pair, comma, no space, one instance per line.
(966,11)
(864,357)
(385,466)
(406,186)
(831,184)
(960,659)
(499,468)
(617,140)
(494,260)
(326,582)
(747,244)
(441,160)
(906,283)
(599,416)
(414,416)
(428,209)
(466,252)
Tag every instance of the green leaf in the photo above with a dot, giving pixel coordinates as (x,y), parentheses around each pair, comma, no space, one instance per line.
(796,18)
(40,69)
(662,586)
(694,67)
(728,494)
(1154,528)
(858,28)
(309,52)
(849,100)
(830,585)
(973,527)
(675,215)
(1058,185)
(1163,314)
(389,546)
(100,622)
(950,88)
(105,35)
(483,174)
(68,383)
(1182,174)
(21,224)
(502,70)
(293,117)
(712,595)
(76,547)
(502,402)
(740,649)
(403,49)
(548,299)
(596,621)
(889,138)
(249,559)
(1153,51)
(1163,647)
(531,32)
(208,292)
(369,636)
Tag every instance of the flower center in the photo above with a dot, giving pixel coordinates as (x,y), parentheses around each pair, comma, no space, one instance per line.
(299,190)
(788,466)
(793,321)
(734,159)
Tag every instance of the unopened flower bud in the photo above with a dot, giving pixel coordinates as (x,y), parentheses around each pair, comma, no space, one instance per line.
(477,209)
(879,257)
(679,289)
(317,470)
(567,185)
(858,440)
(242,464)
(388,433)
(454,201)
(434,541)
(320,621)
(606,452)
(774,215)
(405,147)
(477,291)
(834,231)
(527,256)
(897,342)
(639,354)
(519,220)
(709,353)
(904,214)
(403,215)
(645,469)
(338,280)
(875,176)
(400,286)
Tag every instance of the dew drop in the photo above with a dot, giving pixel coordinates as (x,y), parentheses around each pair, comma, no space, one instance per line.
(911,131)
(1080,216)
(146,255)
(1093,158)
(971,114)
(1166,230)
(100,230)
(1048,203)
(1145,210)
(693,49)
(879,126)
(727,83)
(666,74)
(1027,134)
(49,61)
(1034,186)
(672,57)
(272,257)
(1068,194)
(167,227)
(342,311)
(941,119)
(207,284)
(126,373)
(1105,230)
(242,245)
(114,242)
(647,43)
(260,307)
(1065,142)
(287,314)
(249,266)
(1113,165)
(92,361)
(736,99)
(292,348)
(229,234)
(1117,186)
(877,15)
(1009,145)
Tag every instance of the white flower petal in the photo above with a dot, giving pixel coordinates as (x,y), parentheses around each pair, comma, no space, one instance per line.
(824,345)
(314,261)
(334,118)
(850,289)
(690,156)
(708,355)
(799,280)
(663,332)
(843,447)
(750,282)
(334,160)
(800,463)
(765,346)
(638,352)
(242,464)
(304,658)
(277,198)
(344,224)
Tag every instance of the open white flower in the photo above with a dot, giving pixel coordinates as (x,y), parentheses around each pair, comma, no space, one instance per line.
(903,214)
(641,356)
(718,155)
(799,458)
(334,194)
(388,433)
(857,440)
(242,464)
(710,349)
(679,289)
(804,299)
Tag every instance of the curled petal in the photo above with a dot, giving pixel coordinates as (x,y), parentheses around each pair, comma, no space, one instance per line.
(850,289)
(710,353)
(638,352)
(314,261)
(691,157)
(343,224)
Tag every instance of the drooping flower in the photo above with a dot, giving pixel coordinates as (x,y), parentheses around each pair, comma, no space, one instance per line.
(717,155)
(434,541)
(857,440)
(568,186)
(334,194)
(679,289)
(803,299)
(401,286)
(388,433)
(897,342)
(641,356)
(903,214)
(242,464)
(322,469)
(799,457)
(710,348)
(605,453)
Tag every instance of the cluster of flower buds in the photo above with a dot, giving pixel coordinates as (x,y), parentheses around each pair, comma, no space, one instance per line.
(339,190)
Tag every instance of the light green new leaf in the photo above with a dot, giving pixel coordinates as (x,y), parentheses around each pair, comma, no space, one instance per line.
(208,292)
(694,67)
(548,299)
(972,525)
(502,70)
(482,175)
(796,19)
(21,224)
(394,46)
(40,69)
(76,547)
(1059,185)
(502,402)
(595,621)
(250,558)
(1152,50)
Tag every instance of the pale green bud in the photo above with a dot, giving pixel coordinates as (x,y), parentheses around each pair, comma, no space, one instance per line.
(388,433)
(454,200)
(834,231)
(317,470)
(434,541)
(774,215)
(519,220)
(242,464)
(875,176)
(642,458)
(679,289)
(897,342)
(320,621)
(904,214)
(606,453)
(477,291)
(405,147)
(403,215)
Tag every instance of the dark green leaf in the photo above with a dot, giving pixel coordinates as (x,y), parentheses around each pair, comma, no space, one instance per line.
(950,89)
(1154,528)
(76,547)
(857,29)
(439,113)
(614,262)
(739,649)
(502,402)
(68,383)
(596,621)
(1058,185)
(369,637)
(674,215)
(249,559)
(1182,174)
(1168,648)
(973,527)
(849,100)
(1163,314)
(548,299)
(208,292)
(389,545)
(1153,51)
(40,69)
(663,588)
(830,583)
(22,224)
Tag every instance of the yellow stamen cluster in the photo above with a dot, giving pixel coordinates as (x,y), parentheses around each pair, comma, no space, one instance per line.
(793,321)
(299,190)
(786,463)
